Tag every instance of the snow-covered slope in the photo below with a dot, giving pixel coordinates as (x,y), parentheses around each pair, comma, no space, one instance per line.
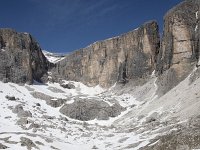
(47,128)
(27,121)
(52,57)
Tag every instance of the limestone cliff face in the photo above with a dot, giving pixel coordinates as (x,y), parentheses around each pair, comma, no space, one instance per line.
(128,56)
(180,44)
(21,59)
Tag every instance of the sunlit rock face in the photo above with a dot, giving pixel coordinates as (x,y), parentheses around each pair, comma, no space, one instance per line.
(21,59)
(180,44)
(119,59)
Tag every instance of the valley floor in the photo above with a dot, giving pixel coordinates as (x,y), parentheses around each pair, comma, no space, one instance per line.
(28,121)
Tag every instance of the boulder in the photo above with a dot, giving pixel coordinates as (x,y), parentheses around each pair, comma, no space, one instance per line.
(67,85)
(21,112)
(55,103)
(88,109)
(22,121)
(11,98)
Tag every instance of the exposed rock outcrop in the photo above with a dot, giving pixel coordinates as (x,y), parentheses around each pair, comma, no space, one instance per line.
(129,56)
(28,143)
(3,146)
(180,44)
(86,109)
(21,58)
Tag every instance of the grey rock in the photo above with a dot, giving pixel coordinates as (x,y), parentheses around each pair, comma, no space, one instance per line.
(20,111)
(24,114)
(11,98)
(7,117)
(185,137)
(194,123)
(103,115)
(18,108)
(167,81)
(130,56)
(180,44)
(52,147)
(28,143)
(38,104)
(55,103)
(41,96)
(39,143)
(22,121)
(49,100)
(5,80)
(194,76)
(67,86)
(34,126)
(178,140)
(49,117)
(3,146)
(94,147)
(87,109)
(21,59)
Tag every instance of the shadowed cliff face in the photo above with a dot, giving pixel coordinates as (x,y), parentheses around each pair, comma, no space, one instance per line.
(128,56)
(21,59)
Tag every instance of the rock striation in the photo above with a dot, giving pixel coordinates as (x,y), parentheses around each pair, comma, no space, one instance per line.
(179,52)
(180,44)
(119,59)
(21,58)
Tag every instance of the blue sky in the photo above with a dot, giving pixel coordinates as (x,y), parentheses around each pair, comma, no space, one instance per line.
(67,25)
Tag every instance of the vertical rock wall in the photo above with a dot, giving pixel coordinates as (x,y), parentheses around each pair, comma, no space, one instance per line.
(21,59)
(119,59)
(180,44)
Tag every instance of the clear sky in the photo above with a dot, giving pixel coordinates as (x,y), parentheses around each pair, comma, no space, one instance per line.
(67,25)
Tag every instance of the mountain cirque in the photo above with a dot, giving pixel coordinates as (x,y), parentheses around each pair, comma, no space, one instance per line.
(154,104)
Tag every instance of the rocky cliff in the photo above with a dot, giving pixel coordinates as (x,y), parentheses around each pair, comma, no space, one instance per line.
(136,54)
(21,58)
(179,51)
(131,56)
(128,56)
(180,44)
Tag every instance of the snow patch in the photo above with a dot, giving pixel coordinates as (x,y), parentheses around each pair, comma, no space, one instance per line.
(83,89)
(197,15)
(53,58)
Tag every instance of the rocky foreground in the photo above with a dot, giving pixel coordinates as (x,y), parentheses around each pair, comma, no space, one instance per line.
(135,91)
